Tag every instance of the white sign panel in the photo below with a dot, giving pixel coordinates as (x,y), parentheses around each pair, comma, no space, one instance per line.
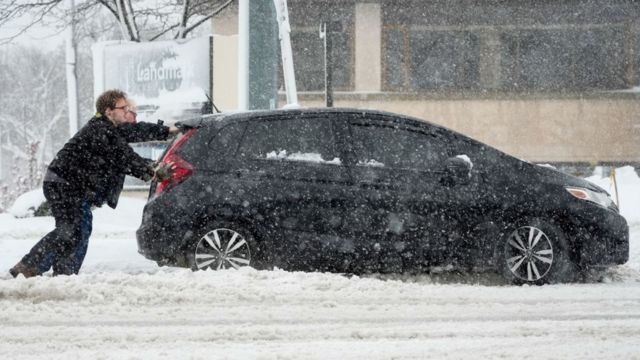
(165,78)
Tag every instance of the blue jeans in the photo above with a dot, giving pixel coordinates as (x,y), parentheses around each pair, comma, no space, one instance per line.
(81,250)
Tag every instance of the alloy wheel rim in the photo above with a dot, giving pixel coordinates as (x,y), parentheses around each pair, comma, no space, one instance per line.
(529,253)
(222,249)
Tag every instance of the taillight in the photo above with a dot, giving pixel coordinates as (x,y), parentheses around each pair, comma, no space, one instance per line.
(180,169)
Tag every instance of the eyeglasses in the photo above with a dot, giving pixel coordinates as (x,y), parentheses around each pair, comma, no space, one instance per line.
(124,107)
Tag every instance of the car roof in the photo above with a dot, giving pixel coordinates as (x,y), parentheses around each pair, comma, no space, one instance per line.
(223,118)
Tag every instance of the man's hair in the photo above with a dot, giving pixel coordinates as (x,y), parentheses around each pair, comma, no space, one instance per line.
(108,99)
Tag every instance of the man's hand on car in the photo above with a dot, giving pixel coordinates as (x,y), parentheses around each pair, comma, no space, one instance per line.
(163,171)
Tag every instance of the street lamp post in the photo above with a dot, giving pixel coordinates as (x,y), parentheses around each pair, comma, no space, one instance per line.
(327,29)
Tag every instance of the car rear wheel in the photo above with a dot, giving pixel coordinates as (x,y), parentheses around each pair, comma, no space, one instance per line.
(223,247)
(535,252)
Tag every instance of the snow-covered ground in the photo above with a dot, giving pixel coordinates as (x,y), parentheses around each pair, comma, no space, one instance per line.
(123,306)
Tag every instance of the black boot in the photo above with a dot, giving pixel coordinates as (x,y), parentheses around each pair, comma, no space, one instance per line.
(24,269)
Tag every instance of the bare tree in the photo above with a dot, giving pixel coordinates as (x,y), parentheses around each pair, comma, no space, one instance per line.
(138,20)
(33,112)
(33,101)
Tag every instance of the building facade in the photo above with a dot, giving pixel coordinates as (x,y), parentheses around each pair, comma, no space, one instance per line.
(554,81)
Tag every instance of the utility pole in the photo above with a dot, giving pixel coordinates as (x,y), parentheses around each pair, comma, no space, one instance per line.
(72,81)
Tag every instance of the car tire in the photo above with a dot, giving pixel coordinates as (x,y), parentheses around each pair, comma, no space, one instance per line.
(223,246)
(535,251)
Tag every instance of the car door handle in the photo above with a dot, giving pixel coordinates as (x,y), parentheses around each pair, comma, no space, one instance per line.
(250,173)
(376,183)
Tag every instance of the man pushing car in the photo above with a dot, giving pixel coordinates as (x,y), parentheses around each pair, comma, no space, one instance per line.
(89,171)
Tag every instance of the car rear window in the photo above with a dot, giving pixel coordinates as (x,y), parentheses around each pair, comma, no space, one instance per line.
(211,147)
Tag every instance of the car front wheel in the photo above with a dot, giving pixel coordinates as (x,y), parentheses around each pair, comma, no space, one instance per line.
(535,252)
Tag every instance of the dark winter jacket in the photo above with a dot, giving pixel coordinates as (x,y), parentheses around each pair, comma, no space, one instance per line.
(97,158)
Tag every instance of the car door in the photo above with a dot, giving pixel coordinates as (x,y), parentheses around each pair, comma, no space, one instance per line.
(300,185)
(404,208)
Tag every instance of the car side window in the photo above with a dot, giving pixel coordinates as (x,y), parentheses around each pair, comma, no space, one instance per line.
(389,145)
(299,140)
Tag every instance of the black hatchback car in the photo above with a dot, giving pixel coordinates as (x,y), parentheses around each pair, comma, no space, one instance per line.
(360,191)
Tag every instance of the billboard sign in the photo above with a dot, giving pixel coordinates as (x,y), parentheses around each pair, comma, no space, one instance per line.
(167,79)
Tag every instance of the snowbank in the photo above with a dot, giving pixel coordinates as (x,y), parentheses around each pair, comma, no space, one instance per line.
(27,203)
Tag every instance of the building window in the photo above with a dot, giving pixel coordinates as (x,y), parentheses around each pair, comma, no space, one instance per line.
(563,60)
(396,69)
(535,60)
(430,60)
(308,48)
(601,59)
(503,47)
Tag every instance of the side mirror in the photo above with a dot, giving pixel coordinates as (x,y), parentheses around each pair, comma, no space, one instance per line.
(457,170)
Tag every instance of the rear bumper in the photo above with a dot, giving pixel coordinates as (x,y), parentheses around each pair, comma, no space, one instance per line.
(150,243)
(161,235)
